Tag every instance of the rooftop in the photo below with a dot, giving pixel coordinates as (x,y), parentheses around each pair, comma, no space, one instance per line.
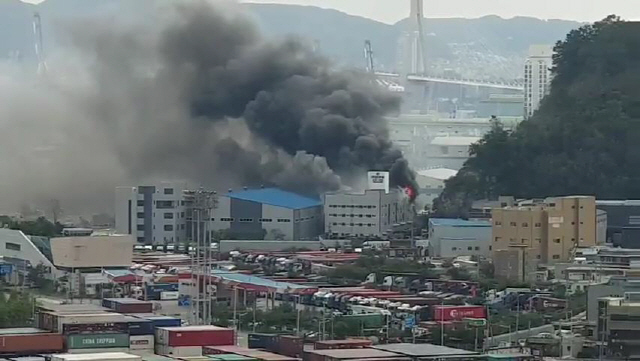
(451,222)
(248,281)
(454,140)
(360,353)
(275,197)
(422,350)
(438,173)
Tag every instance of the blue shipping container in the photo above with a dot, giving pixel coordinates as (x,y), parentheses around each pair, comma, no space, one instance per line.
(163,321)
(139,327)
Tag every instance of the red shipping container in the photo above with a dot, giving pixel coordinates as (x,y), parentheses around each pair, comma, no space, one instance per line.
(195,336)
(31,343)
(291,346)
(457,313)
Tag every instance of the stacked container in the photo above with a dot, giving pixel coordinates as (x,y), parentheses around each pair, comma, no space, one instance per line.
(263,340)
(141,335)
(108,356)
(127,305)
(342,344)
(31,341)
(292,346)
(188,341)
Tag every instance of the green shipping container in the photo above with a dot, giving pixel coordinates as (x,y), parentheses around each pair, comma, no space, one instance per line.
(98,340)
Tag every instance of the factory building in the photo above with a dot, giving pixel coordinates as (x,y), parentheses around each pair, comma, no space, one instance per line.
(371,213)
(153,214)
(269,214)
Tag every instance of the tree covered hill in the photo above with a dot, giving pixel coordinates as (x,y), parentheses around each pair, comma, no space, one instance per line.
(584,139)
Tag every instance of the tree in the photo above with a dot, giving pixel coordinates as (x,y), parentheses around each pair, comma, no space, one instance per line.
(583,138)
(40,227)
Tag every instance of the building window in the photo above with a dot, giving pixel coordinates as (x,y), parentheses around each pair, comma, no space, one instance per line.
(514,224)
(267,220)
(556,240)
(168,191)
(454,249)
(140,227)
(477,248)
(226,219)
(246,220)
(539,240)
(525,224)
(168,227)
(497,239)
(538,256)
(140,203)
(164,204)
(168,215)
(556,256)
(469,248)
(140,215)
(12,246)
(538,225)
(490,248)
(182,215)
(140,239)
(498,223)
(285,220)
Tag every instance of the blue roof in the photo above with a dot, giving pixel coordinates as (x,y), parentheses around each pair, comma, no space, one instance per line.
(276,197)
(458,222)
(254,280)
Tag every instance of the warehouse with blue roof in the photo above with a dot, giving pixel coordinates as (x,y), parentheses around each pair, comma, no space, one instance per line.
(269,214)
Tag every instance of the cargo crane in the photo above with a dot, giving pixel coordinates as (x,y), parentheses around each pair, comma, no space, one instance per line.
(37,32)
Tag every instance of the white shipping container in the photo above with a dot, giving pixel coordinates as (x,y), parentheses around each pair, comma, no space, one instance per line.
(169,295)
(182,351)
(142,342)
(105,356)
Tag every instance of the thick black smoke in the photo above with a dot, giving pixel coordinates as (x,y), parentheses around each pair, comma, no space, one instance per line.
(288,96)
(194,93)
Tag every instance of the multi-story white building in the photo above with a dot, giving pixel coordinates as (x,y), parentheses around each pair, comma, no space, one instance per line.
(154,214)
(371,213)
(537,77)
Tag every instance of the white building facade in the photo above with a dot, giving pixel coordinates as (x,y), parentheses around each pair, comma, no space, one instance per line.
(537,77)
(371,213)
(153,214)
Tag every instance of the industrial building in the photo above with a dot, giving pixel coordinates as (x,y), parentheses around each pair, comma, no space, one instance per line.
(618,325)
(450,238)
(371,213)
(622,222)
(153,214)
(537,77)
(267,213)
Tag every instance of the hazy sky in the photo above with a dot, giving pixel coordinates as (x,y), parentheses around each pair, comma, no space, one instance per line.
(393,10)
(390,11)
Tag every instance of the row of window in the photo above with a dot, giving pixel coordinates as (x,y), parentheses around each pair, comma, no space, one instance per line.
(353,215)
(514,224)
(167,227)
(468,248)
(351,206)
(262,220)
(354,224)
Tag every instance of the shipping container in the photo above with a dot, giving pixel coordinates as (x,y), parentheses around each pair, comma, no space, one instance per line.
(180,351)
(169,296)
(98,341)
(231,357)
(292,346)
(161,321)
(78,328)
(142,342)
(105,356)
(139,327)
(154,292)
(31,343)
(195,336)
(348,354)
(81,318)
(214,351)
(99,350)
(342,344)
(262,340)
(128,305)
(27,358)
(458,313)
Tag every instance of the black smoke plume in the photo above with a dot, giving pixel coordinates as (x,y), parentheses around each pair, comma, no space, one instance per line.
(200,95)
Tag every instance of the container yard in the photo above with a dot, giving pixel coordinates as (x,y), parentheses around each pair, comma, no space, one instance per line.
(195,336)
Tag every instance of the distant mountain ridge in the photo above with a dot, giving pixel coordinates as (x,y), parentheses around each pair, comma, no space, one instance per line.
(456,44)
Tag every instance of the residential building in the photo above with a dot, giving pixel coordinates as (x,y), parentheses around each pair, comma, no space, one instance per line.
(537,77)
(549,230)
(371,213)
(450,238)
(622,222)
(153,214)
(268,213)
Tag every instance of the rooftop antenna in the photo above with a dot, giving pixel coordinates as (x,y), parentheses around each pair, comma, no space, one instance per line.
(368,56)
(37,32)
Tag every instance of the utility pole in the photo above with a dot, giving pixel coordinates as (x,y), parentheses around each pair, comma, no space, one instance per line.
(39,47)
(368,56)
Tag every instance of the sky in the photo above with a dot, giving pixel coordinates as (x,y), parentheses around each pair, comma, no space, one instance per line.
(390,11)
